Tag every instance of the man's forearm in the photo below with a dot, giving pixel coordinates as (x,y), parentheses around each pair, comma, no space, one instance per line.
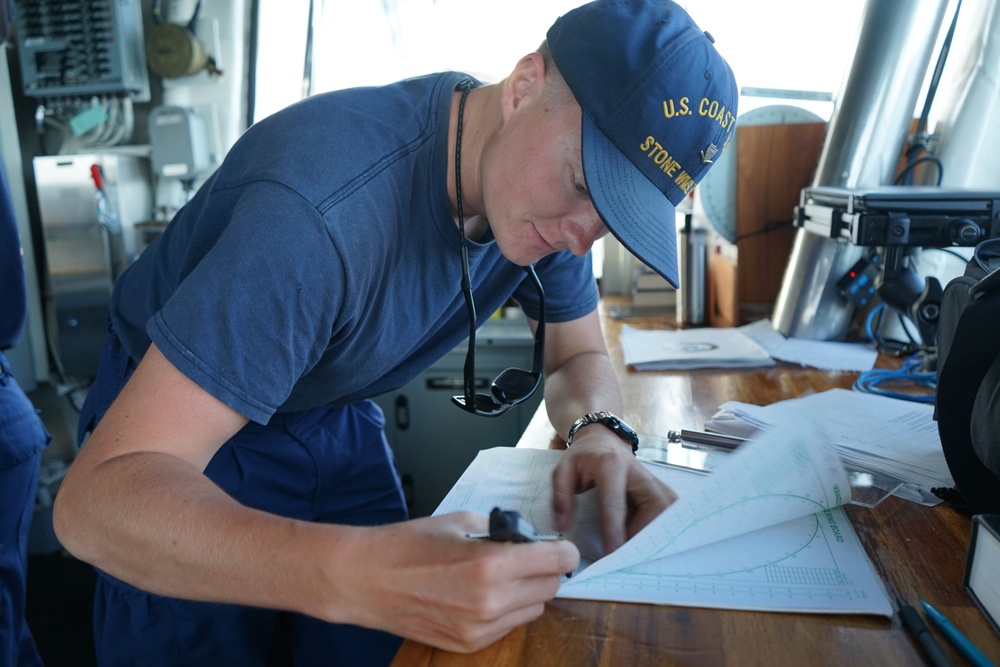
(585,383)
(143,517)
(159,524)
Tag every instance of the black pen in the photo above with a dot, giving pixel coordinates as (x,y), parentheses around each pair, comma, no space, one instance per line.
(919,630)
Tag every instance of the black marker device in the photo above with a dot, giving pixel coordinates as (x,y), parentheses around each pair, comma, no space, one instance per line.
(510,526)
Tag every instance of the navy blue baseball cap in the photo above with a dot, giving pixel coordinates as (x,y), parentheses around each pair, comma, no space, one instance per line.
(659,107)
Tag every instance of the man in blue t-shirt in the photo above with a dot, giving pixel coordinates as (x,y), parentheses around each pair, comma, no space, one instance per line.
(236,477)
(22,435)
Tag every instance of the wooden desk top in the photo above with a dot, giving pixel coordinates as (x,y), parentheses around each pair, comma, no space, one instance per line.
(918,551)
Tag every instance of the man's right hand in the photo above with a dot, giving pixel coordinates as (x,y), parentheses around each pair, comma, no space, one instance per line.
(426,580)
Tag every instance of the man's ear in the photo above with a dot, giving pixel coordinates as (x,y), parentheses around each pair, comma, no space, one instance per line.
(525,82)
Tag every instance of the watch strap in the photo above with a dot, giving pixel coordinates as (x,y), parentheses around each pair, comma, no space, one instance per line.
(612,421)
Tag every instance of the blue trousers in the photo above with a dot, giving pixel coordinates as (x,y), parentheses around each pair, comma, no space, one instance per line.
(22,438)
(330,465)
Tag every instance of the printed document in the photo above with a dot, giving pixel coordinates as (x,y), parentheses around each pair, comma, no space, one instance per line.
(763,532)
(651,350)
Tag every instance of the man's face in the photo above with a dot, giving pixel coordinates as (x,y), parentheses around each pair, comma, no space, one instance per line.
(534,191)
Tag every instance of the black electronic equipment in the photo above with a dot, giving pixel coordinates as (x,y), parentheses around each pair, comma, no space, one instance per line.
(894,218)
(858,284)
(916,216)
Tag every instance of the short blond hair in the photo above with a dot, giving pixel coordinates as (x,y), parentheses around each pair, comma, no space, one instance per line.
(555,83)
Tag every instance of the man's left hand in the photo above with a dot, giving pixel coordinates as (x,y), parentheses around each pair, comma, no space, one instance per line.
(629,496)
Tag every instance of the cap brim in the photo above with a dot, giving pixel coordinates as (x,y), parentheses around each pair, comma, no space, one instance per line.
(636,212)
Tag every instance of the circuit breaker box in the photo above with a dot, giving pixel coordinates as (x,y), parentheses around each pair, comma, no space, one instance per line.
(70,48)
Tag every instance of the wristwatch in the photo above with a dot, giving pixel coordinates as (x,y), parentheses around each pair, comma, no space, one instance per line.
(623,430)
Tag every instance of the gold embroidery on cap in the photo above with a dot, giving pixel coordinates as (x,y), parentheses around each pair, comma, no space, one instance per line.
(667,164)
(717,112)
(681,108)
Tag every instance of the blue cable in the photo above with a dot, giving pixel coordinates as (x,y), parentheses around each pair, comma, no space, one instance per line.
(871,381)
(873,329)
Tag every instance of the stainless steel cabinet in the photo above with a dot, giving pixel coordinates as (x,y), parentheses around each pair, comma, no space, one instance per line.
(89,238)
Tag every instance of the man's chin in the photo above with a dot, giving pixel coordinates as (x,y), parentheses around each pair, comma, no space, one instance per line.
(520,256)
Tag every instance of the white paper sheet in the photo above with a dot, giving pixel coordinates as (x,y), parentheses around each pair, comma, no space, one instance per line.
(872,432)
(830,356)
(648,350)
(764,532)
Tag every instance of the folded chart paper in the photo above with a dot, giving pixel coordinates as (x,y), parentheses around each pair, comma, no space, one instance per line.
(870,432)
(691,348)
(764,532)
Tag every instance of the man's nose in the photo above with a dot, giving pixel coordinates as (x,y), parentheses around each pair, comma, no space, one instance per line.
(582,231)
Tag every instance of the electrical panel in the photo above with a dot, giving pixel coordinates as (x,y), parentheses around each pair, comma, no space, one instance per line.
(78,48)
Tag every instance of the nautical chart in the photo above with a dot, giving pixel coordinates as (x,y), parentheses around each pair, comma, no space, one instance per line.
(764,531)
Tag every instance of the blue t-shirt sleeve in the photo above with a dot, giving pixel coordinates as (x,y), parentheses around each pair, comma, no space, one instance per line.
(258,310)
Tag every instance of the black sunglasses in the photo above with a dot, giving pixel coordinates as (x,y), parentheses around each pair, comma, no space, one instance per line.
(512,386)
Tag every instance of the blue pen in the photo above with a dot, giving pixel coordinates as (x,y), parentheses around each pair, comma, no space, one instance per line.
(963,643)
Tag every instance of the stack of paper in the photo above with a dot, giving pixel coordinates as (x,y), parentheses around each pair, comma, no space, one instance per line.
(870,432)
(690,348)
(765,531)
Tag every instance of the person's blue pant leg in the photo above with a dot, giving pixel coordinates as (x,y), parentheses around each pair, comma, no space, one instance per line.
(359,487)
(22,438)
